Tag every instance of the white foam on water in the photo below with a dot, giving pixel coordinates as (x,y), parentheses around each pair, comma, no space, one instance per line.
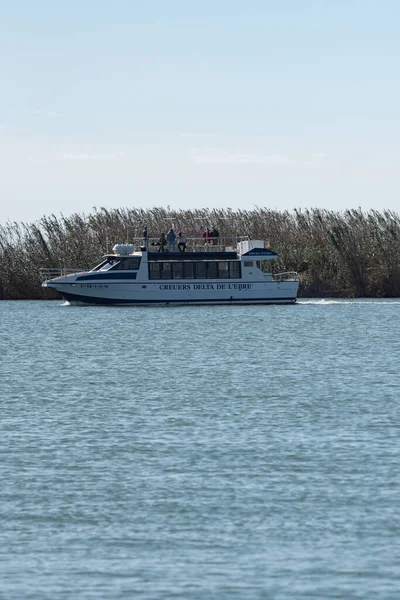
(321,301)
(366,302)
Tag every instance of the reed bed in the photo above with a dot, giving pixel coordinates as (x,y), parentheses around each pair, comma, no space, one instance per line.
(349,254)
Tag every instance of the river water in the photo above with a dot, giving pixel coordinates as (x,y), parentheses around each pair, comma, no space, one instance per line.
(200,452)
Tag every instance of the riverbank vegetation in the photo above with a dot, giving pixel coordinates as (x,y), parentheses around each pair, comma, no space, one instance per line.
(348,254)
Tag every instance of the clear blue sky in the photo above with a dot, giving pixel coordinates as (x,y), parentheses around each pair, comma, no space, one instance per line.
(222,103)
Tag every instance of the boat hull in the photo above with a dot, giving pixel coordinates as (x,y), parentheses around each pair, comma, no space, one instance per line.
(178,294)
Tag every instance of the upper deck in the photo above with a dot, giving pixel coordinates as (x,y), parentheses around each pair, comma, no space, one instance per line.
(191,256)
(231,248)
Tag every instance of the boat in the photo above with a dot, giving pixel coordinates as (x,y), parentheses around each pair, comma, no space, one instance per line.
(202,274)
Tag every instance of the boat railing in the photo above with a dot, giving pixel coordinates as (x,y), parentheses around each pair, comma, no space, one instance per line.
(195,244)
(52,272)
(289,276)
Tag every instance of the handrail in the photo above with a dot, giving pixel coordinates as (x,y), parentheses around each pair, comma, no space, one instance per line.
(200,243)
(52,272)
(289,276)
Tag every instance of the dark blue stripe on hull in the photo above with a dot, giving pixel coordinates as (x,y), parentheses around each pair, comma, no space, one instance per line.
(93,300)
(106,276)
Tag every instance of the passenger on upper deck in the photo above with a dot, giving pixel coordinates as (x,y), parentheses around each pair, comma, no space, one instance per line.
(171,237)
(145,238)
(162,243)
(181,242)
(207,236)
(214,234)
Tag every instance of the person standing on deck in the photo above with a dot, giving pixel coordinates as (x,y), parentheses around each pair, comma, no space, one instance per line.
(181,242)
(207,236)
(145,238)
(162,243)
(214,234)
(171,237)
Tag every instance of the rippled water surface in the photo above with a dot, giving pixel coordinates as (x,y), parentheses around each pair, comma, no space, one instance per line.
(200,452)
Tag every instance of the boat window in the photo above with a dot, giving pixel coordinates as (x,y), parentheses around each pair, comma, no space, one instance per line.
(155,270)
(131,264)
(109,264)
(200,270)
(195,270)
(234,270)
(212,272)
(248,263)
(166,272)
(98,267)
(223,270)
(188,270)
(178,270)
(264,265)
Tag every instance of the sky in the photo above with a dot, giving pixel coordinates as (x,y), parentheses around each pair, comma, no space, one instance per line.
(220,103)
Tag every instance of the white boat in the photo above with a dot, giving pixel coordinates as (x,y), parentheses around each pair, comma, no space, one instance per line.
(213,275)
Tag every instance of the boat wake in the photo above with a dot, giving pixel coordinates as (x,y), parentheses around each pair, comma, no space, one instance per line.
(325,301)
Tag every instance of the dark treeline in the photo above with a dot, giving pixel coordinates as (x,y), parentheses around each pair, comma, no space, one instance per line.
(349,253)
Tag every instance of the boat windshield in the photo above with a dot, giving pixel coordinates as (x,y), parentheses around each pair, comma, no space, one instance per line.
(106,265)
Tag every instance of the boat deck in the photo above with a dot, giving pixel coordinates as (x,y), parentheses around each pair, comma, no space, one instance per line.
(210,255)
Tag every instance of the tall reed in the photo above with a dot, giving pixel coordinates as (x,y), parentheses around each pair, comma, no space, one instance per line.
(350,253)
